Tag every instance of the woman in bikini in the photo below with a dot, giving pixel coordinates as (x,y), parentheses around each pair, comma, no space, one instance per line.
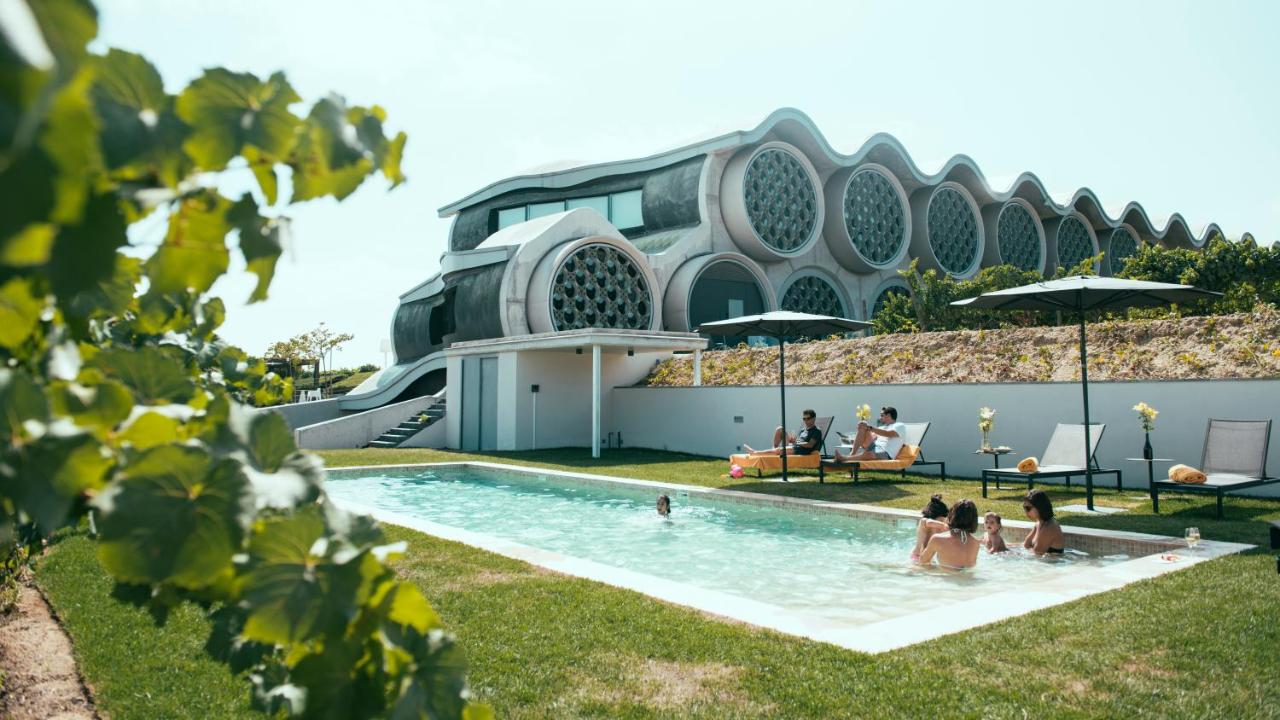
(955,548)
(1046,537)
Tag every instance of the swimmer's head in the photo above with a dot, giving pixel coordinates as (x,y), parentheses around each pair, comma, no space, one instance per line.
(935,508)
(992,522)
(664,505)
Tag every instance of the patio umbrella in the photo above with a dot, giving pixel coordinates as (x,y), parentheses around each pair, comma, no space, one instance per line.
(1080,293)
(782,324)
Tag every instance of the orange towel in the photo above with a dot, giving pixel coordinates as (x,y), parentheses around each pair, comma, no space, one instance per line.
(1028,465)
(1186,474)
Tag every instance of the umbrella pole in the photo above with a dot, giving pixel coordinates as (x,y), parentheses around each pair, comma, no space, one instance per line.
(782,386)
(1088,450)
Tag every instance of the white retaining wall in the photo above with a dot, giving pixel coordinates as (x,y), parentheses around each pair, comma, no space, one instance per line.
(702,419)
(308,413)
(355,431)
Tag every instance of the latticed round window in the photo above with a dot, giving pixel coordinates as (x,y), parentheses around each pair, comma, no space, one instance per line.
(1123,246)
(1074,245)
(813,295)
(599,286)
(884,297)
(1019,238)
(781,200)
(873,215)
(953,231)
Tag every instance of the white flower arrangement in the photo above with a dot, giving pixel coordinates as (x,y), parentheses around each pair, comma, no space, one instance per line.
(1146,416)
(986,419)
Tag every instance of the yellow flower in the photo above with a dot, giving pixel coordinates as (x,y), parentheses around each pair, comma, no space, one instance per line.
(863,412)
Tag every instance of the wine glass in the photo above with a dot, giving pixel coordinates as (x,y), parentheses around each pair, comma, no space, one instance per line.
(1193,537)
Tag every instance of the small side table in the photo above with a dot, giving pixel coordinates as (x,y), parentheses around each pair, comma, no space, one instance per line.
(1151,479)
(995,454)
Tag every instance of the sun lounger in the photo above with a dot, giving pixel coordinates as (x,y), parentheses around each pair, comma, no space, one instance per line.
(1061,459)
(1234,458)
(913,436)
(773,463)
(907,457)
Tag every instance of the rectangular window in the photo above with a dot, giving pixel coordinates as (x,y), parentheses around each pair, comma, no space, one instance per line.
(737,308)
(599,203)
(510,216)
(537,210)
(624,210)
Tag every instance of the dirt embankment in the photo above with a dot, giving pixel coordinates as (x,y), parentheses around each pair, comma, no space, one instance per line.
(1246,345)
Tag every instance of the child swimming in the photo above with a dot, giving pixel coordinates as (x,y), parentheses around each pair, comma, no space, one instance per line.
(993,542)
(664,506)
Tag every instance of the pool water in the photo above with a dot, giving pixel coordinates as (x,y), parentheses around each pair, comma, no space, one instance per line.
(845,569)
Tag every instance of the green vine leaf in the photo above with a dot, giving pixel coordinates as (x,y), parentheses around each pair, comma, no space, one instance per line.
(19,312)
(21,399)
(194,253)
(54,472)
(100,407)
(292,590)
(260,243)
(150,372)
(174,517)
(228,111)
(141,134)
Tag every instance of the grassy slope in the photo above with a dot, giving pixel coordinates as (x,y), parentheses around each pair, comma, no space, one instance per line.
(1196,643)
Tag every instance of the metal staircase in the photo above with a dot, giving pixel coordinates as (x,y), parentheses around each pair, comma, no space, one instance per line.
(410,427)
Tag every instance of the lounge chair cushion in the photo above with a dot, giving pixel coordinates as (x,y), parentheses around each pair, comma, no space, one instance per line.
(906,458)
(1028,465)
(774,462)
(1186,474)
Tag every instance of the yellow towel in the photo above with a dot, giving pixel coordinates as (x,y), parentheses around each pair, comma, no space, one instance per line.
(1186,474)
(1028,465)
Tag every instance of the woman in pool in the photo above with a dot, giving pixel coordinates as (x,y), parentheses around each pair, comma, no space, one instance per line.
(957,548)
(932,521)
(1046,537)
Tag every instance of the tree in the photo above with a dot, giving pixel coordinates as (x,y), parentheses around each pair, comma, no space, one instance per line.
(126,402)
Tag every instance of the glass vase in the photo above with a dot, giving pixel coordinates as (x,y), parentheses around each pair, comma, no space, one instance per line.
(986,439)
(1147,453)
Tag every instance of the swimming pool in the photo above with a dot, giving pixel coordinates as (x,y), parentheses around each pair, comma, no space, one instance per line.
(799,566)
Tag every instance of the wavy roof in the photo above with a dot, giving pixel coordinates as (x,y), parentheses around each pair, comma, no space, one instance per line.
(795,127)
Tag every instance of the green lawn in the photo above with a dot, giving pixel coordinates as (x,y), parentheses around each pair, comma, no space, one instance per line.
(1201,642)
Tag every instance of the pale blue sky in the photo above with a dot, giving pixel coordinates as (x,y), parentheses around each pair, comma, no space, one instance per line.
(1172,104)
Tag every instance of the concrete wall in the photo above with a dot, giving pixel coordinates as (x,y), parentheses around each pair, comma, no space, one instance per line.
(308,413)
(701,419)
(432,436)
(355,431)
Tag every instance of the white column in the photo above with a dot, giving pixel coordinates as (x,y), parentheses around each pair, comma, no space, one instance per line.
(595,401)
(697,368)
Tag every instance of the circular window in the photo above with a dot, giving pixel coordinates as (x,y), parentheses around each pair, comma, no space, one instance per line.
(1123,246)
(874,216)
(1019,238)
(953,231)
(782,203)
(884,296)
(814,295)
(1074,243)
(600,286)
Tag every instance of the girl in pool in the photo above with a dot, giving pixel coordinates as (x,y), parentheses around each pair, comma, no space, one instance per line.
(664,506)
(956,549)
(1046,537)
(932,522)
(993,541)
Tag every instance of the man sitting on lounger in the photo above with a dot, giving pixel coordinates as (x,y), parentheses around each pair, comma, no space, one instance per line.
(805,442)
(881,442)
